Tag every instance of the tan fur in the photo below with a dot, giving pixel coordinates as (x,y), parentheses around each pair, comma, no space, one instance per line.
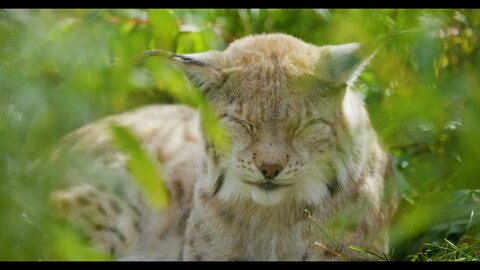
(304,177)
(170,134)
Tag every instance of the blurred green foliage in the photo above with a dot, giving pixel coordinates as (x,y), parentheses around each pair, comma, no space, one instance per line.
(61,69)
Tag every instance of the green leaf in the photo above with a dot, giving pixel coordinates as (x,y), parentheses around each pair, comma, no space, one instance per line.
(164,27)
(215,132)
(142,167)
(68,245)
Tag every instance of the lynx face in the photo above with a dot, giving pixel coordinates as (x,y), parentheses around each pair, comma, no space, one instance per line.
(280,99)
(276,156)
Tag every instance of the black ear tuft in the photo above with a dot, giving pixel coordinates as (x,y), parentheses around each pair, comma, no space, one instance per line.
(203,69)
(188,60)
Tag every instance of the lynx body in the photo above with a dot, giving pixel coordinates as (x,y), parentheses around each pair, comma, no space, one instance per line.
(304,176)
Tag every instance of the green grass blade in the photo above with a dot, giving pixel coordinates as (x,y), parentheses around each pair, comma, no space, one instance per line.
(458,250)
(359,249)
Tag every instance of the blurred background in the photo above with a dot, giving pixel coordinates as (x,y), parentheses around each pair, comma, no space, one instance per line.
(60,69)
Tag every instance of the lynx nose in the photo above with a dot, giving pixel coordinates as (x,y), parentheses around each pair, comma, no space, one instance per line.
(270,170)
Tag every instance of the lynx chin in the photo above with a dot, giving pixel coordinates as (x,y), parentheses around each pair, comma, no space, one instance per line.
(303,179)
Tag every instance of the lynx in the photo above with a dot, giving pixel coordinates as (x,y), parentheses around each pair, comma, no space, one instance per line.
(304,178)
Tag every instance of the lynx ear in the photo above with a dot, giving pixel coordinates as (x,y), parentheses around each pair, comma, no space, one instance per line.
(341,64)
(203,69)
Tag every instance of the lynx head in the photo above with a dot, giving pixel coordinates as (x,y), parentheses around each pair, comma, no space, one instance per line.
(280,99)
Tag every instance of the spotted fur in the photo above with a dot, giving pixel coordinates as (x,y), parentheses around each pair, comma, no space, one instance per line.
(303,179)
